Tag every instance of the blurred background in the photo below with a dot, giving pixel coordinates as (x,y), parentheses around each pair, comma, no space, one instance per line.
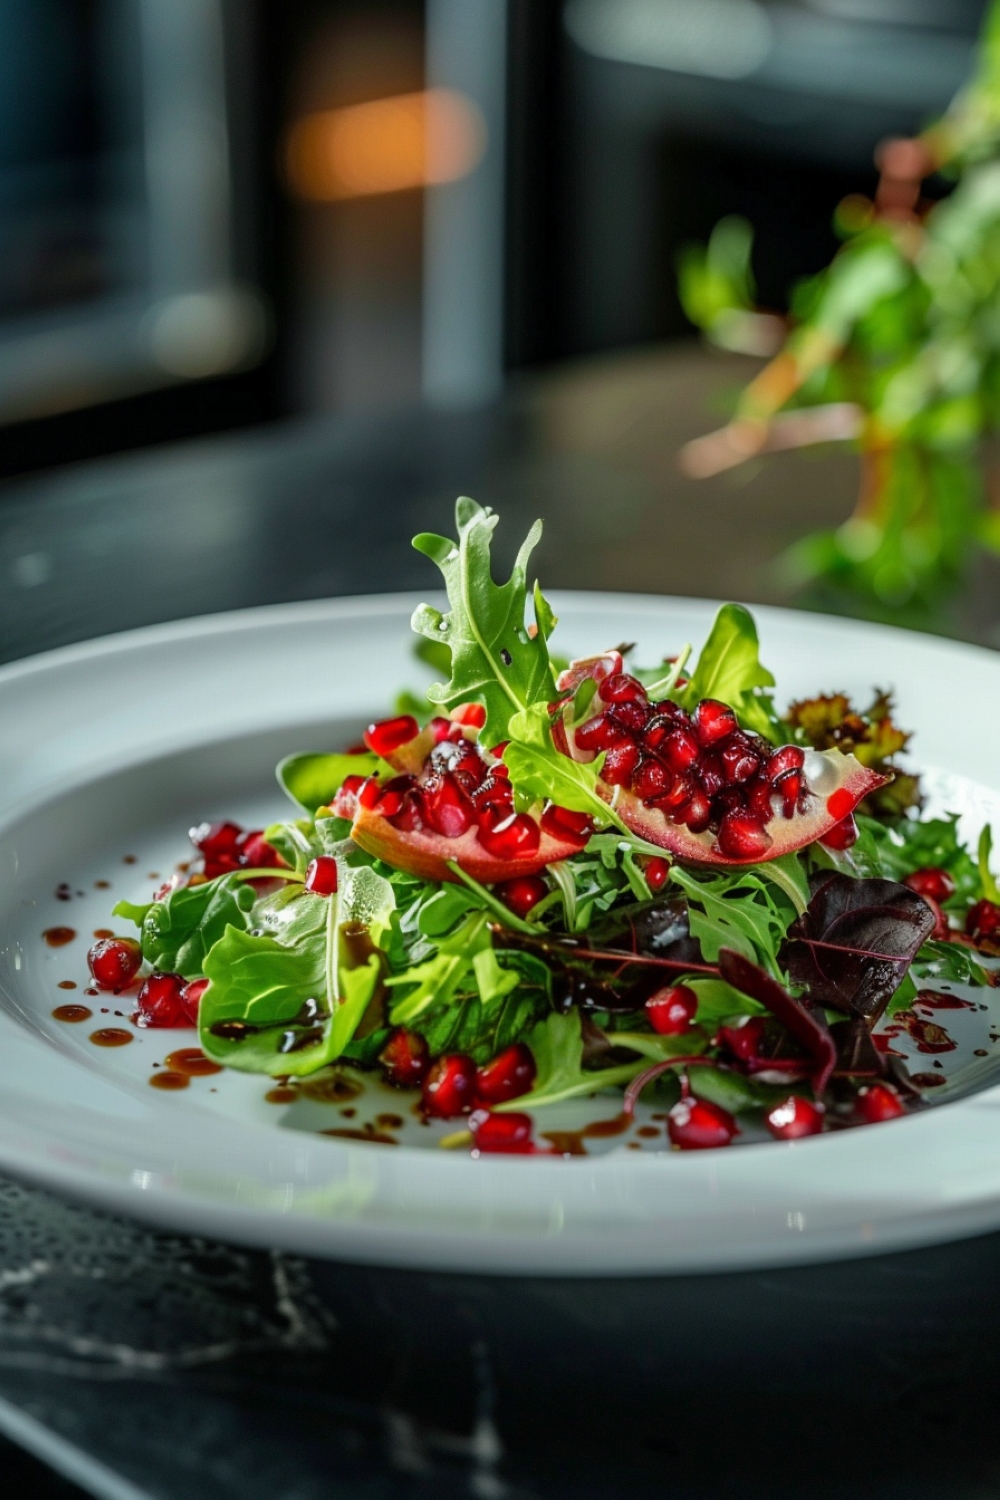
(229,214)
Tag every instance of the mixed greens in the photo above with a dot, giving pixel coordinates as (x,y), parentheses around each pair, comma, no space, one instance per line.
(478,905)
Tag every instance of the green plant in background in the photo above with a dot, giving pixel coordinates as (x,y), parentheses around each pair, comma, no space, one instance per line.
(895,347)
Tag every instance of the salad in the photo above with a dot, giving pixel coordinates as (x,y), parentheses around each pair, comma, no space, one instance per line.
(547,880)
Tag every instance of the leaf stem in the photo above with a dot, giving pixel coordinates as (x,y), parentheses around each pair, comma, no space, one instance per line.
(506,916)
(666,685)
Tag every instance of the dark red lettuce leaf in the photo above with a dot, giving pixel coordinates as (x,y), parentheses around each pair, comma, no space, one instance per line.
(808,1027)
(853,945)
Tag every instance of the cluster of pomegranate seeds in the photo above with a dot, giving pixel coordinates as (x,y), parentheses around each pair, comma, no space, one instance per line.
(114,962)
(458,788)
(226,846)
(160,1001)
(672,1009)
(405,1058)
(700,769)
(794,1117)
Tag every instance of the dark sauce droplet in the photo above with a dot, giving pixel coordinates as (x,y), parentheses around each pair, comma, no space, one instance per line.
(505,656)
(281,1095)
(58,937)
(928,1080)
(571,1142)
(389,1122)
(169,1081)
(67,984)
(366,1133)
(128,859)
(102,885)
(103,932)
(111,1036)
(192,1062)
(72,1013)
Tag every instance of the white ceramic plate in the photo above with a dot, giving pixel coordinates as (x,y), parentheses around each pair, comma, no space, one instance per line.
(108,751)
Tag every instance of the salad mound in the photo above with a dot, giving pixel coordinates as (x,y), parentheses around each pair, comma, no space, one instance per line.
(548,880)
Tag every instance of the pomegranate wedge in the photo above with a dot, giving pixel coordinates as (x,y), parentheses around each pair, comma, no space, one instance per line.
(425,853)
(707,790)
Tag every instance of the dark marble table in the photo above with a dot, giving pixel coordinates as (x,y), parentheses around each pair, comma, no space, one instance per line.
(138,1363)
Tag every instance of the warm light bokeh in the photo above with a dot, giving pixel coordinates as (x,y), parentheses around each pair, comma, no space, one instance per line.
(410,140)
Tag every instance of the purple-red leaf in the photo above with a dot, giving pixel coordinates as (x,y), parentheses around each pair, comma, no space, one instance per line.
(853,945)
(807,1026)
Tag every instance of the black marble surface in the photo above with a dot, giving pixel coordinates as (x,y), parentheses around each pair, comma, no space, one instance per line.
(144,1363)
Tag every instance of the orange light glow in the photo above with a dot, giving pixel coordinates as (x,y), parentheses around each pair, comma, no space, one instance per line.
(411,140)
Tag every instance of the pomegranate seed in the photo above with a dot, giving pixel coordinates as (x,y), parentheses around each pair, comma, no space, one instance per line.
(369,793)
(621,688)
(679,795)
(190,999)
(472,715)
(793,1118)
(496,797)
(321,876)
(651,779)
(630,714)
(739,763)
(507,1076)
(742,836)
(713,721)
(657,873)
(842,835)
(159,1001)
(257,854)
(561,823)
(216,840)
(672,1009)
(983,922)
(439,728)
(656,731)
(745,1039)
(393,795)
(447,809)
(788,758)
(405,1058)
(877,1103)
(598,733)
(698,813)
(114,962)
(697,1125)
(517,837)
(840,804)
(449,1088)
(408,819)
(789,788)
(711,775)
(389,734)
(501,1135)
(941,931)
(521,893)
(345,803)
(681,749)
(620,763)
(931,882)
(758,796)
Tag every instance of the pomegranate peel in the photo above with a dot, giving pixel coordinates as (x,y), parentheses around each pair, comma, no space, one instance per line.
(427,854)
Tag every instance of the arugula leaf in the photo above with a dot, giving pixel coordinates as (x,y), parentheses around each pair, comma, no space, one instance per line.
(953,963)
(493,657)
(910,845)
(729,669)
(178,931)
(314,780)
(538,769)
(718,1002)
(987,882)
(557,1047)
(742,910)
(483,1024)
(438,979)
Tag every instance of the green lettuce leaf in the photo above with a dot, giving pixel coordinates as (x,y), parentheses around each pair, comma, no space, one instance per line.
(729,669)
(177,932)
(538,770)
(743,910)
(481,1025)
(557,1047)
(494,660)
(314,780)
